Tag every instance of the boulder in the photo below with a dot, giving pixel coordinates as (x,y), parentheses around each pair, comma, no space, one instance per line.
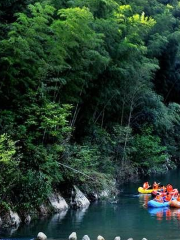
(78,199)
(27,219)
(86,237)
(41,236)
(10,219)
(14,219)
(73,236)
(100,238)
(117,238)
(58,202)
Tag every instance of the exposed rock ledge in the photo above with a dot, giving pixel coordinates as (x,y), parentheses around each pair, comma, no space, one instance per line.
(15,219)
(78,199)
(10,219)
(58,202)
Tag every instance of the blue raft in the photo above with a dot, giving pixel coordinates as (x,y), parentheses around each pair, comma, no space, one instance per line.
(154,204)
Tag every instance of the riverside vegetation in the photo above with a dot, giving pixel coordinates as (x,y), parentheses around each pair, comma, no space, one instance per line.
(89,93)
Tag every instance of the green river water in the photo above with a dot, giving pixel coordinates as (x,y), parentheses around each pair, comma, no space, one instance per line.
(128,218)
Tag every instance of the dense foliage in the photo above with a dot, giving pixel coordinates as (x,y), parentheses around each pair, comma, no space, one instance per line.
(89,92)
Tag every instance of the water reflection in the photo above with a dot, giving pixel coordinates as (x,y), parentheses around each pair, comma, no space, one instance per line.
(58,217)
(159,212)
(165,213)
(144,199)
(78,215)
(8,231)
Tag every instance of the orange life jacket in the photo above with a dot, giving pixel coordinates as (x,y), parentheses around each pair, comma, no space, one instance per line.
(169,188)
(168,198)
(178,198)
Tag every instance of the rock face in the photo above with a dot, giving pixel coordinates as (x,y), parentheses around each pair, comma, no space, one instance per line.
(110,190)
(93,196)
(14,218)
(10,219)
(41,236)
(27,219)
(58,202)
(78,199)
(104,194)
(43,210)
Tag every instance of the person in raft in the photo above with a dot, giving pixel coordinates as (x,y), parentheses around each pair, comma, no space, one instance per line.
(169,188)
(146,186)
(168,197)
(163,189)
(178,198)
(155,186)
(159,199)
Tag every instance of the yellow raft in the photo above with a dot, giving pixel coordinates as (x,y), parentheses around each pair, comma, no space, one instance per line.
(142,190)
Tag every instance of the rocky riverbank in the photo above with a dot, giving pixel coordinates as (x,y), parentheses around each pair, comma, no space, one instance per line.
(56,203)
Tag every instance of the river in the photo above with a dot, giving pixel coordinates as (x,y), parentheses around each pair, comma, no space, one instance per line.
(128,218)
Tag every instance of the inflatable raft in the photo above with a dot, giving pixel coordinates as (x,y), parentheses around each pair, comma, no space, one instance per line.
(142,190)
(155,204)
(175,204)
